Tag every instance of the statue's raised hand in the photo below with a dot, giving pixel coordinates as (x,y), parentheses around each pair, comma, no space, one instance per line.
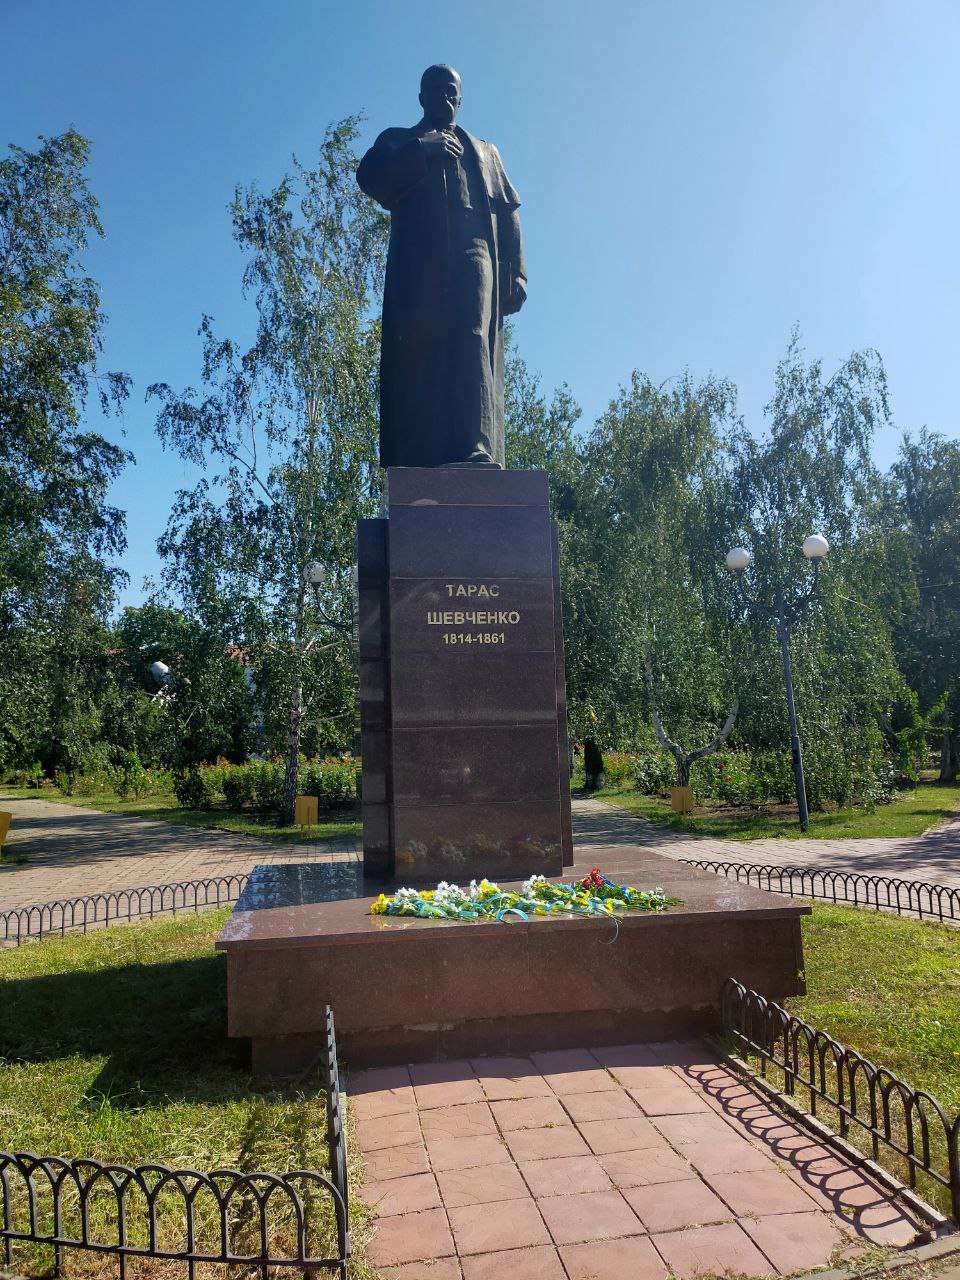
(438,144)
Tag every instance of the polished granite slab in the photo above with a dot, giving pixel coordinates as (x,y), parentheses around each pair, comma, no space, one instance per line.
(319,905)
(470,486)
(405,989)
(462,695)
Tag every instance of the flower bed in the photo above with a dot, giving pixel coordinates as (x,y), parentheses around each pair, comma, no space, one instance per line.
(594,895)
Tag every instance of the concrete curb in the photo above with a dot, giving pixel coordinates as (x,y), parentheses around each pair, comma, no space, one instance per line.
(944,1250)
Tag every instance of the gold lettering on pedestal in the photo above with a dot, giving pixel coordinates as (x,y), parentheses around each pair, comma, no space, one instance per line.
(473,590)
(460,618)
(475,617)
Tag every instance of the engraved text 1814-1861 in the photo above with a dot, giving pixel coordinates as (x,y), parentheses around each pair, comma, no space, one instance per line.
(462,621)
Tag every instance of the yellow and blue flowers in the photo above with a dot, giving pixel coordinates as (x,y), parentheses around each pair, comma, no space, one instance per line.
(594,895)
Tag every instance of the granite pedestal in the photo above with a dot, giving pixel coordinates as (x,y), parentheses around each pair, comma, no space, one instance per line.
(462,702)
(465,774)
(407,990)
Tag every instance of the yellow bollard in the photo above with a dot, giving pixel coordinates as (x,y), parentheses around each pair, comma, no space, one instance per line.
(306,811)
(681,799)
(5,819)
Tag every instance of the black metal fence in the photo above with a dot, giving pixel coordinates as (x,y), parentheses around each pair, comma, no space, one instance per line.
(849,888)
(18,924)
(95,911)
(237,1218)
(864,1098)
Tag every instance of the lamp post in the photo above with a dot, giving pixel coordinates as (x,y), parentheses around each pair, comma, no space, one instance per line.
(783,613)
(315,575)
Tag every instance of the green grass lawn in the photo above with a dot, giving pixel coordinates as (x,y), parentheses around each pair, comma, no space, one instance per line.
(114,1046)
(910,814)
(338,825)
(889,988)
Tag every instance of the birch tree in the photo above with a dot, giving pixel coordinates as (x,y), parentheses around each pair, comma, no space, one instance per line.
(60,537)
(286,433)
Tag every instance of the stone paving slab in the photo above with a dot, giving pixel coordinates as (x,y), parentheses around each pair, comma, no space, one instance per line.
(630,1163)
(933,857)
(72,851)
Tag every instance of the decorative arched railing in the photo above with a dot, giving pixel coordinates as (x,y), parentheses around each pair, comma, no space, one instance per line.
(907,1121)
(845,888)
(235,1217)
(97,910)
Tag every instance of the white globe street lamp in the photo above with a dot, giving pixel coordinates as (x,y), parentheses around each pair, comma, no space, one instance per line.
(738,559)
(315,575)
(782,613)
(815,547)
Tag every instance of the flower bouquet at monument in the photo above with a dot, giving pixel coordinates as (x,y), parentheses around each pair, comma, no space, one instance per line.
(594,895)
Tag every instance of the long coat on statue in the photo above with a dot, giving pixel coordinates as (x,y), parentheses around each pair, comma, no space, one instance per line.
(453,269)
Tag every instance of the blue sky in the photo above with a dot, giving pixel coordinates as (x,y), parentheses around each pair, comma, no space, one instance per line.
(697,177)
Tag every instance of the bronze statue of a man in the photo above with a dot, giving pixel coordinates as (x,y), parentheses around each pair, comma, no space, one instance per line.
(455,268)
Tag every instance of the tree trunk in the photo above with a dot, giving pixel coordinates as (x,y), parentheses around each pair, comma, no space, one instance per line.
(948,746)
(686,759)
(291,777)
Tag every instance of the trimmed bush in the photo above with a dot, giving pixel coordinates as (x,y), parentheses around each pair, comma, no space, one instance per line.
(616,768)
(836,772)
(332,780)
(130,778)
(653,771)
(192,791)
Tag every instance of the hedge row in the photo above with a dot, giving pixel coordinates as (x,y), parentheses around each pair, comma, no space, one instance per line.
(259,783)
(741,777)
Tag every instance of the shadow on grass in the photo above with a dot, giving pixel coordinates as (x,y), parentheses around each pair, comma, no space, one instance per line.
(161,1027)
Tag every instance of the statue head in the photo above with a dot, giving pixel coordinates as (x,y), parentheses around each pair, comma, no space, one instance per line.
(440,95)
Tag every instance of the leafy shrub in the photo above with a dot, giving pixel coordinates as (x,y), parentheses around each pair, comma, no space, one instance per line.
(616,768)
(839,770)
(215,775)
(27,775)
(725,777)
(332,780)
(129,778)
(160,782)
(237,786)
(92,782)
(740,777)
(772,773)
(191,790)
(259,784)
(653,771)
(267,778)
(843,769)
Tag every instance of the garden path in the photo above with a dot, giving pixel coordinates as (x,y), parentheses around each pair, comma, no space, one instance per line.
(933,857)
(73,851)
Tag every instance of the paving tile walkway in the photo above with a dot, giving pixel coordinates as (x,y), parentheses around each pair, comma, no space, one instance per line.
(628,1163)
(73,851)
(932,857)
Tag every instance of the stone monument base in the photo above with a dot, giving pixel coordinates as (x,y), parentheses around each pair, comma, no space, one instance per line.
(408,990)
(462,701)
